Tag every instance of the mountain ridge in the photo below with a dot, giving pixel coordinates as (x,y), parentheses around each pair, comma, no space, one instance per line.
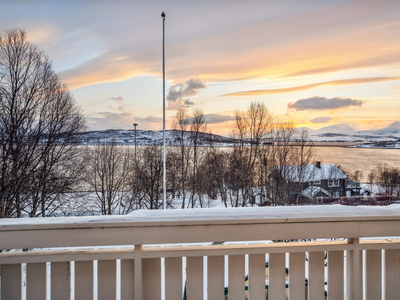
(332,133)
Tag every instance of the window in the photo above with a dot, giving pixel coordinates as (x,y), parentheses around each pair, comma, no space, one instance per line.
(333,183)
(336,194)
(317,182)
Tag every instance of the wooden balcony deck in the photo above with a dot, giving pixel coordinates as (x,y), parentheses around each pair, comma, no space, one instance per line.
(134,252)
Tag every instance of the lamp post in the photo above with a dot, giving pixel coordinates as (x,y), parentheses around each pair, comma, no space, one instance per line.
(164,164)
(136,180)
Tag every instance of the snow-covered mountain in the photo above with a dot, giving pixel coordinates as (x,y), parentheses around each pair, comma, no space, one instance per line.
(337,128)
(332,133)
(346,133)
(146,137)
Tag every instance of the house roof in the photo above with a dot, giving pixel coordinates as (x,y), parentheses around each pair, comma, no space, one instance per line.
(364,189)
(350,184)
(309,173)
(311,191)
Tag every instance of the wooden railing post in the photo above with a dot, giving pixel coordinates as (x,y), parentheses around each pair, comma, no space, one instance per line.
(11,278)
(138,273)
(354,270)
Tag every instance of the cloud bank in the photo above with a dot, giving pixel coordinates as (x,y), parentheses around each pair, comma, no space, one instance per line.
(149,120)
(178,93)
(118,99)
(216,118)
(189,88)
(322,103)
(321,120)
(213,119)
(311,86)
(110,120)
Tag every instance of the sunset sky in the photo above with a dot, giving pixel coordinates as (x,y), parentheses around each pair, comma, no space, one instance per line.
(315,63)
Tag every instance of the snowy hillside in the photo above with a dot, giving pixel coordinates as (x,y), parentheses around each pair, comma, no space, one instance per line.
(146,137)
(387,137)
(345,133)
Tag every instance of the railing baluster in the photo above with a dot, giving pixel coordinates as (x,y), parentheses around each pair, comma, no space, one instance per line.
(374,274)
(215,277)
(277,290)
(36,281)
(11,278)
(127,279)
(173,278)
(236,286)
(392,274)
(138,273)
(84,280)
(354,271)
(335,275)
(60,281)
(257,276)
(151,278)
(194,278)
(297,286)
(316,281)
(107,279)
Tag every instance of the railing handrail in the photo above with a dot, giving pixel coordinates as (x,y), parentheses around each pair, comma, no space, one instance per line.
(202,225)
(202,216)
(141,266)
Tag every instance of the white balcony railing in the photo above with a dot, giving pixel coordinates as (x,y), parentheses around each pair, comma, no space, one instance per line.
(137,256)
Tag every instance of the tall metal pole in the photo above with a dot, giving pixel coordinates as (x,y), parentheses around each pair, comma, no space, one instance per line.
(136,169)
(164,164)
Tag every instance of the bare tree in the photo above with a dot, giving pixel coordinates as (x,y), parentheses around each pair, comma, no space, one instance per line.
(217,172)
(386,179)
(107,169)
(39,121)
(180,126)
(251,129)
(289,159)
(303,157)
(198,128)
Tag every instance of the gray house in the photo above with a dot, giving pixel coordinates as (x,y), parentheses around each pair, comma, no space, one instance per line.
(310,183)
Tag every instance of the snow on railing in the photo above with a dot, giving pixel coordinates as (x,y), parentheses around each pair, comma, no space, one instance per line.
(284,252)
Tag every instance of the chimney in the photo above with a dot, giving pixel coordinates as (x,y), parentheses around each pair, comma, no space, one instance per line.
(318,164)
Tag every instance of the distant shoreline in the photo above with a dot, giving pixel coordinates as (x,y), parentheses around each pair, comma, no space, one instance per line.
(335,144)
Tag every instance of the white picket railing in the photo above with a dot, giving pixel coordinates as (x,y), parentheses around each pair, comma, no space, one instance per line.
(142,248)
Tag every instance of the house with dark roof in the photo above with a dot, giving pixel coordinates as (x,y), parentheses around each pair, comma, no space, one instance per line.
(312,183)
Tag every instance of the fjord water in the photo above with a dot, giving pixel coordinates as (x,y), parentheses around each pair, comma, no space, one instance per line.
(363,159)
(351,159)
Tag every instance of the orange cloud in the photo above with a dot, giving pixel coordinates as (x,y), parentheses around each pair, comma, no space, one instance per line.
(106,68)
(335,37)
(311,86)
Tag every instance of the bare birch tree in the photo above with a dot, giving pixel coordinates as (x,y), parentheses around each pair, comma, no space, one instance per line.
(251,129)
(180,126)
(198,128)
(39,122)
(107,169)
